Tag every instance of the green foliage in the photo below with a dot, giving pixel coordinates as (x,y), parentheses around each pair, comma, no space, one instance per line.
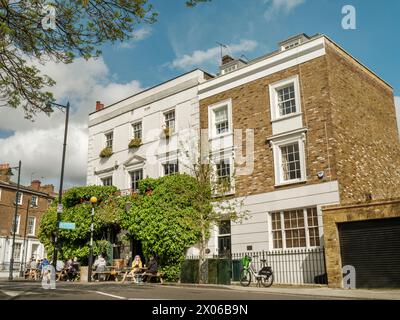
(106,153)
(79,195)
(160,220)
(172,273)
(78,210)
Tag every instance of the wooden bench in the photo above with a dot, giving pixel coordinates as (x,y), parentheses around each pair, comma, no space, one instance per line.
(159,276)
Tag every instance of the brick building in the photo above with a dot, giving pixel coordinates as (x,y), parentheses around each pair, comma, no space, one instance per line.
(296,131)
(32,203)
(323,130)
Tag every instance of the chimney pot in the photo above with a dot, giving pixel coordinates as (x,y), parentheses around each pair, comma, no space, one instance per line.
(35,184)
(4,172)
(99,105)
(226,59)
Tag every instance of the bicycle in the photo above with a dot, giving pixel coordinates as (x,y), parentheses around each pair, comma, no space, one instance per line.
(265,276)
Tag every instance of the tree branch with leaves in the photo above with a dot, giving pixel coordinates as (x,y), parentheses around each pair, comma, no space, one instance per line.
(81,27)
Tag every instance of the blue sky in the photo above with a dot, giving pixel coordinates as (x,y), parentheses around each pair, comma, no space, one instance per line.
(181,31)
(183,39)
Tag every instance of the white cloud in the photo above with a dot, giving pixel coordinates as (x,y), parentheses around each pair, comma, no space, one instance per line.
(277,7)
(211,55)
(137,35)
(39,144)
(397,104)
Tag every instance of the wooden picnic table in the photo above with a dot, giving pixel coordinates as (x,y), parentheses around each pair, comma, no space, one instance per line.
(109,272)
(137,276)
(32,274)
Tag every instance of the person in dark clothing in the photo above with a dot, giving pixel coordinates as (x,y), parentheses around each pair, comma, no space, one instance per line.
(152,269)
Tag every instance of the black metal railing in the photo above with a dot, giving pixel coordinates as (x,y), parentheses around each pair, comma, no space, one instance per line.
(297,266)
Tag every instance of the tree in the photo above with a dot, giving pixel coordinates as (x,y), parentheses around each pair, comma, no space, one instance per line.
(77,209)
(80,28)
(213,204)
(159,218)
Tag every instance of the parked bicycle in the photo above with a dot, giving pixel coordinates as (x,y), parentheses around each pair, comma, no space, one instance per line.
(265,276)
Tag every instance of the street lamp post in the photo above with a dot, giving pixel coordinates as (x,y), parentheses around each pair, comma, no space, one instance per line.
(11,276)
(49,109)
(24,248)
(93,200)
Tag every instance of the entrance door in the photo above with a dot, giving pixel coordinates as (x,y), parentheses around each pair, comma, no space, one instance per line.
(373,248)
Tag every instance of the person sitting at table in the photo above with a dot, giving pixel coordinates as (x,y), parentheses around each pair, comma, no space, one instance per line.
(152,269)
(32,265)
(137,265)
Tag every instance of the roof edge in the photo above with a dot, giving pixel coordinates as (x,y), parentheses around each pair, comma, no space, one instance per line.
(153,87)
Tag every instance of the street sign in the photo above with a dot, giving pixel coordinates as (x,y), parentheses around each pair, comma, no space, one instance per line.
(59,208)
(67,225)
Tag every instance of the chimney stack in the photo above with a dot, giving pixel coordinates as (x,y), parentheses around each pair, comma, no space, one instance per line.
(5,172)
(35,184)
(48,188)
(226,59)
(99,106)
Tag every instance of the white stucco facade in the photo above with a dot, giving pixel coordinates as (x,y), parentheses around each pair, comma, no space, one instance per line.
(149,107)
(23,252)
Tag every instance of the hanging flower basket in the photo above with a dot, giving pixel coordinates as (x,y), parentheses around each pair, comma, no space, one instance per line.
(135,143)
(106,153)
(167,132)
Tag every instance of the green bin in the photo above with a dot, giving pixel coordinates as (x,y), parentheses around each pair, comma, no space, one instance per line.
(236,270)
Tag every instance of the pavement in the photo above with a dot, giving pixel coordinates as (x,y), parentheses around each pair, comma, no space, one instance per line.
(28,290)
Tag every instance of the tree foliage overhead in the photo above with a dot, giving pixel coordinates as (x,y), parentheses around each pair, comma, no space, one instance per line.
(81,27)
(77,209)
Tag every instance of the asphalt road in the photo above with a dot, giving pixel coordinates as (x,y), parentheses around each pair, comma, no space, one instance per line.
(113,291)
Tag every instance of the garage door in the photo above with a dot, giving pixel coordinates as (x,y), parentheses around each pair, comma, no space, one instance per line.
(373,248)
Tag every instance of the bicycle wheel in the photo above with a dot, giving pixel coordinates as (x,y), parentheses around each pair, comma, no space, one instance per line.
(245,278)
(267,281)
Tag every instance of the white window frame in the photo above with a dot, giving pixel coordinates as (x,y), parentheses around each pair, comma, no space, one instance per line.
(306,226)
(164,125)
(18,259)
(273,96)
(36,202)
(18,224)
(112,140)
(212,130)
(133,130)
(130,177)
(232,177)
(105,178)
(170,161)
(20,200)
(33,227)
(276,145)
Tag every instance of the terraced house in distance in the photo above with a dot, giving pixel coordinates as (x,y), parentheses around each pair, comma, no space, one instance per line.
(323,129)
(32,203)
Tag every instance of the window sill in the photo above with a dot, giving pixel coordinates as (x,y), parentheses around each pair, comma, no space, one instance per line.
(225,194)
(221,136)
(290,183)
(292,115)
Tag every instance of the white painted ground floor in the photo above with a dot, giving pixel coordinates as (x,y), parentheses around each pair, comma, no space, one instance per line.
(285,226)
(22,252)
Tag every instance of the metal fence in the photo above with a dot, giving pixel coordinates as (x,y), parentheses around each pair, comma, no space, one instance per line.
(296,267)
